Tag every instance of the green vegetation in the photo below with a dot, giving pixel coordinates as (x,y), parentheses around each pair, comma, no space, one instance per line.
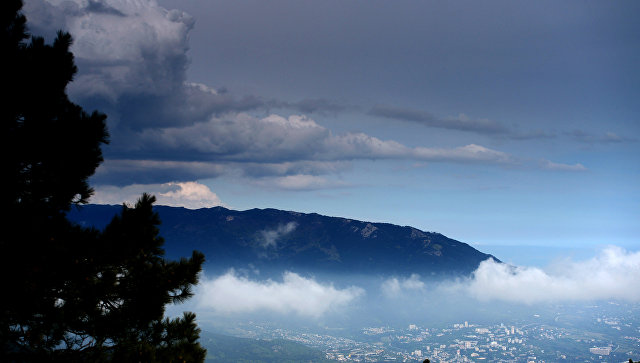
(73,293)
(222,348)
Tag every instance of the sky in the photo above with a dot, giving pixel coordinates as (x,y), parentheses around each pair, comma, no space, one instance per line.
(510,125)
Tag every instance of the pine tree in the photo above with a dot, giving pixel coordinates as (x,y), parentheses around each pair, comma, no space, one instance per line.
(73,293)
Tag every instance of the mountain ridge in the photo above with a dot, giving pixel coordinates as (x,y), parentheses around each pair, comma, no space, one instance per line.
(274,240)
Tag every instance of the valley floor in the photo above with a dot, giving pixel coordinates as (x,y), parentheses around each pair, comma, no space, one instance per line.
(592,334)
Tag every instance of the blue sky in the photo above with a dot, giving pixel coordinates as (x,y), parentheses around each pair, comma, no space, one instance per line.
(500,124)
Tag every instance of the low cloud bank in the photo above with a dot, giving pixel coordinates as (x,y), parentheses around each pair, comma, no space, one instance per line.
(231,293)
(270,237)
(612,275)
(394,287)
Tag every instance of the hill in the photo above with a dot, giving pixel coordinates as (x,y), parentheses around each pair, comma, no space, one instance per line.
(227,349)
(272,240)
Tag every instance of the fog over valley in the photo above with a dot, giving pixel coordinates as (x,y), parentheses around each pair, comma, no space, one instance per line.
(613,275)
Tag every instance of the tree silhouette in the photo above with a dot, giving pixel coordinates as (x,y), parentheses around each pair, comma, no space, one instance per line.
(73,293)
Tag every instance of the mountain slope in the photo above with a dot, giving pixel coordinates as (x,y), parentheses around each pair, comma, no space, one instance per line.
(272,240)
(227,349)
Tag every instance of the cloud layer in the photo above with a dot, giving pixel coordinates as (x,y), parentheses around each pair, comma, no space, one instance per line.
(462,122)
(231,293)
(132,57)
(395,287)
(614,274)
(132,60)
(244,138)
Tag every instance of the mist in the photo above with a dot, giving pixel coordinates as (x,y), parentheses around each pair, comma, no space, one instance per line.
(494,292)
(614,274)
(295,294)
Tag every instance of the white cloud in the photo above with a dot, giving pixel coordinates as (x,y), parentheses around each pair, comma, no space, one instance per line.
(300,182)
(244,138)
(302,168)
(190,195)
(394,287)
(231,293)
(614,274)
(466,154)
(546,164)
(270,237)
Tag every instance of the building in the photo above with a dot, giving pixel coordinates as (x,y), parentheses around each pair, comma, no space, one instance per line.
(600,350)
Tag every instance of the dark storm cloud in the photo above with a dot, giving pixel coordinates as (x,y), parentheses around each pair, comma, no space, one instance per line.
(132,60)
(461,122)
(126,172)
(132,57)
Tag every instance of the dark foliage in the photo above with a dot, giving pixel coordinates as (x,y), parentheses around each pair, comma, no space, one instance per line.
(72,293)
